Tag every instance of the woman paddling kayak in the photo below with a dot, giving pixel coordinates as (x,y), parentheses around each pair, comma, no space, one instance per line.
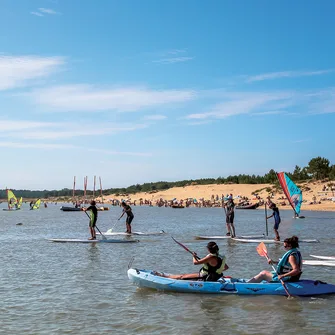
(213,266)
(289,266)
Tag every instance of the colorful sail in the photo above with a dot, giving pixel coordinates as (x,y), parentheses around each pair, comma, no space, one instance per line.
(37,204)
(19,204)
(11,198)
(291,190)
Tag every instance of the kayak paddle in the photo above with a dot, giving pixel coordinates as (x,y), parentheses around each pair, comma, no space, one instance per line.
(263,252)
(187,249)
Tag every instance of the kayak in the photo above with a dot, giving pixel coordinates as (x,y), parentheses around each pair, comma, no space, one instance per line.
(111,233)
(318,262)
(148,279)
(245,240)
(324,257)
(221,237)
(75,240)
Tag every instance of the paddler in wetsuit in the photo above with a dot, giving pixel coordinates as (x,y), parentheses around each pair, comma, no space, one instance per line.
(93,218)
(213,266)
(289,266)
(130,216)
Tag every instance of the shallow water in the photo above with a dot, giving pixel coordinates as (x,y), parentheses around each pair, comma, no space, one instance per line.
(51,288)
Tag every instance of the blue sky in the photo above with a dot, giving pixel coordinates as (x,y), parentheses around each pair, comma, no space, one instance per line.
(141,91)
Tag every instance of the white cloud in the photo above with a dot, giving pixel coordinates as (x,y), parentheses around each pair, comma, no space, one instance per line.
(286,74)
(48,11)
(155,117)
(87,98)
(125,153)
(173,60)
(15,125)
(17,71)
(36,13)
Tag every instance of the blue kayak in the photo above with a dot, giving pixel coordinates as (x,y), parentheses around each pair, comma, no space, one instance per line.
(148,279)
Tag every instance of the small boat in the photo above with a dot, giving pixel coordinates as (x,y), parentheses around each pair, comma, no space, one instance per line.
(177,206)
(70,209)
(148,279)
(76,240)
(250,206)
(102,208)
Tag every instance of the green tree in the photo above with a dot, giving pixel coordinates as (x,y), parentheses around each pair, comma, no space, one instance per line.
(332,172)
(270,177)
(319,168)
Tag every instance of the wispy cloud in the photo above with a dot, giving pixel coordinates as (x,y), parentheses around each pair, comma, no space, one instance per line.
(42,11)
(57,131)
(16,71)
(173,60)
(87,98)
(286,74)
(124,153)
(155,117)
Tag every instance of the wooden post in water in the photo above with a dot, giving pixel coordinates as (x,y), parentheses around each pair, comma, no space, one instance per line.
(266,220)
(94,186)
(74,188)
(102,199)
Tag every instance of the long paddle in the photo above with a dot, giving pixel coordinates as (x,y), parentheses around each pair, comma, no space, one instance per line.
(187,249)
(263,252)
(102,235)
(266,220)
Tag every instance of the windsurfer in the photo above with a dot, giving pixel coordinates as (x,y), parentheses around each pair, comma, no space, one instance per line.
(93,219)
(276,216)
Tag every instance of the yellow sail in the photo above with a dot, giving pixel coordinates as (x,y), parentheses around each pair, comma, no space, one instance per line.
(19,203)
(11,198)
(37,204)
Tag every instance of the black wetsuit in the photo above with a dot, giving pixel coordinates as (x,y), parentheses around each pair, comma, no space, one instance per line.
(130,215)
(94,215)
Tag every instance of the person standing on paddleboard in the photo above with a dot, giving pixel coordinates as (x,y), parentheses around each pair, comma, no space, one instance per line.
(93,219)
(276,216)
(230,217)
(130,216)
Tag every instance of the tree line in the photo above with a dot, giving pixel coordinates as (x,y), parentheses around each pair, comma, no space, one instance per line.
(318,168)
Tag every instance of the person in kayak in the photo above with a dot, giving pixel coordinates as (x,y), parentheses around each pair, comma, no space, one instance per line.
(289,267)
(130,216)
(213,266)
(93,218)
(230,217)
(276,216)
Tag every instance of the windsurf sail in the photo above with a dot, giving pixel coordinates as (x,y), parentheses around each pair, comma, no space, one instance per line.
(36,204)
(291,190)
(19,204)
(11,198)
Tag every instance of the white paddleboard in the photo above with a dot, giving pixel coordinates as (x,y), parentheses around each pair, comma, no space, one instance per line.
(221,237)
(324,257)
(111,233)
(318,262)
(75,240)
(245,240)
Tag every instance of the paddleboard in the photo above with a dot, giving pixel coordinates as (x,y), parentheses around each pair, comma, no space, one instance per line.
(75,240)
(318,262)
(221,237)
(111,233)
(245,240)
(324,257)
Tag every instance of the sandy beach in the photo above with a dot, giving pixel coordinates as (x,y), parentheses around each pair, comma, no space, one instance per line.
(312,192)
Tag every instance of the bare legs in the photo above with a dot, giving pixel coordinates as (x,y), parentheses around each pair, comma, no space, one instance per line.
(277,235)
(264,275)
(93,235)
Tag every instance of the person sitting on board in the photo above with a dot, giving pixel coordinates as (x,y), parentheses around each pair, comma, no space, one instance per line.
(213,266)
(130,216)
(230,217)
(289,266)
(276,216)
(93,219)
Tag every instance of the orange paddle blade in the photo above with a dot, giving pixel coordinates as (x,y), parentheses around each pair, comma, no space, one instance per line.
(261,249)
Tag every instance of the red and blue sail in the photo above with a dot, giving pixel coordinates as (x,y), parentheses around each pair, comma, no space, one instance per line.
(291,190)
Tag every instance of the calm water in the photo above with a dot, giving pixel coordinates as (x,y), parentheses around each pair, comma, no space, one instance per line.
(51,288)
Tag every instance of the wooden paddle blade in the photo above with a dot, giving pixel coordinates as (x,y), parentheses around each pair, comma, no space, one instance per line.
(261,249)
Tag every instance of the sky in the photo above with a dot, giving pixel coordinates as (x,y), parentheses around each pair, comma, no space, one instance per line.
(144,91)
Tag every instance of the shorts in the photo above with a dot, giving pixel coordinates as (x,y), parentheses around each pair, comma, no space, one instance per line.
(287,278)
(92,223)
(276,225)
(230,218)
(129,219)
